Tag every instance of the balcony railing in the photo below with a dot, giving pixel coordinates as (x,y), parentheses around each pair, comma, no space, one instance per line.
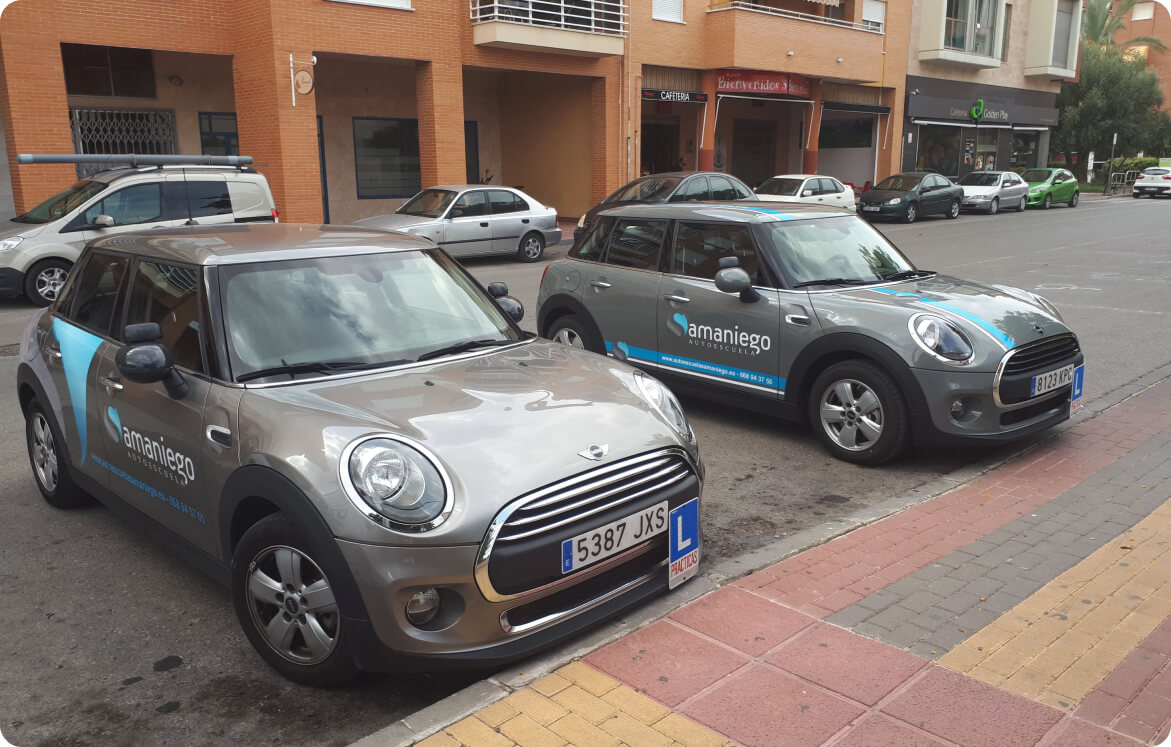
(870,26)
(591,16)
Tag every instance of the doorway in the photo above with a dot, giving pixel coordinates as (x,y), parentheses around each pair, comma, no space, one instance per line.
(660,145)
(754,147)
(321,158)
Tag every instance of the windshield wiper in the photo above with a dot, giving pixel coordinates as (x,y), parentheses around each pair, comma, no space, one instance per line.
(833,281)
(463,347)
(908,274)
(291,369)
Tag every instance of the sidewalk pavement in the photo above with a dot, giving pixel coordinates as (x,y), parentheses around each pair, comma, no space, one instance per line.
(1029,606)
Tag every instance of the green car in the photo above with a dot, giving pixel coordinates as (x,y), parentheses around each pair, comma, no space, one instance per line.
(1047,186)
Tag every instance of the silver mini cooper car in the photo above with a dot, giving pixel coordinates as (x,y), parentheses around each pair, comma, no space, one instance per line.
(343,425)
(811,312)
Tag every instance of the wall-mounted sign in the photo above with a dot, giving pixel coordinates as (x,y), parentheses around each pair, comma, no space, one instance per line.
(760,82)
(303,82)
(658,94)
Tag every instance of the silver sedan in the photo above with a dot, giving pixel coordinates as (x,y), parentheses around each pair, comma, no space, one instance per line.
(473,219)
(989,191)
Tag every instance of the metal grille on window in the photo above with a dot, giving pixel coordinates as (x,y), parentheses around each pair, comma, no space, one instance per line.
(141,131)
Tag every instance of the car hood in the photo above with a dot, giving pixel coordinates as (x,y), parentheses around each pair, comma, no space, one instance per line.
(503,424)
(396,221)
(970,191)
(15,228)
(882,195)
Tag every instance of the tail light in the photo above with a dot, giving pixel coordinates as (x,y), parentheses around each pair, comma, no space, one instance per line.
(276,215)
(1167,177)
(543,274)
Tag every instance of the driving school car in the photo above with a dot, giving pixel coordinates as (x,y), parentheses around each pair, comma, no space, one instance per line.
(811,313)
(345,427)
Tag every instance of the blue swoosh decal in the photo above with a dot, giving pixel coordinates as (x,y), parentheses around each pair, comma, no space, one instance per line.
(983,324)
(78,348)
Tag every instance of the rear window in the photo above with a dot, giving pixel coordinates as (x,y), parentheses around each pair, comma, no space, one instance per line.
(646,189)
(1156,172)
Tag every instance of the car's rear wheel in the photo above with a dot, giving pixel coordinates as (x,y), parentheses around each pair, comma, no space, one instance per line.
(1135,195)
(911,214)
(1073,200)
(44,281)
(994,206)
(531,248)
(285,602)
(859,413)
(1048,202)
(571,331)
(48,460)
(953,211)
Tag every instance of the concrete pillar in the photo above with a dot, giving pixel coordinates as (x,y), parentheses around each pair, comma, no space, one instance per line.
(707,151)
(281,137)
(812,128)
(1043,150)
(604,137)
(439,95)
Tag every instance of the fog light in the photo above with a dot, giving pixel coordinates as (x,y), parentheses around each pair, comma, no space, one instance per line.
(958,407)
(423,606)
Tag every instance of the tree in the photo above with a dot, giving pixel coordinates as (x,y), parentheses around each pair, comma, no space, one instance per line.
(1113,94)
(1103,19)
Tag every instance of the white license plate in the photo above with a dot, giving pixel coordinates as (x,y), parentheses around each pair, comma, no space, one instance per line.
(597,544)
(1047,382)
(870,208)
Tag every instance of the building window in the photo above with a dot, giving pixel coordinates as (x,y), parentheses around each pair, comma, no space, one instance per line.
(939,149)
(1063,29)
(667,10)
(108,71)
(836,12)
(386,157)
(400,4)
(1143,12)
(846,133)
(472,153)
(971,26)
(874,15)
(217,134)
(1007,29)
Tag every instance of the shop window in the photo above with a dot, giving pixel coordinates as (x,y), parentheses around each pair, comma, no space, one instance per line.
(667,10)
(847,133)
(1062,31)
(1143,12)
(386,157)
(939,149)
(92,70)
(218,135)
(971,26)
(874,15)
(987,141)
(1024,150)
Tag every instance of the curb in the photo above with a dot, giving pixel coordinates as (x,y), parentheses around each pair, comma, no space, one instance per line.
(435,717)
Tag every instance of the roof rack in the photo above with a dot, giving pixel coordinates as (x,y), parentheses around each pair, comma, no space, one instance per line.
(134,160)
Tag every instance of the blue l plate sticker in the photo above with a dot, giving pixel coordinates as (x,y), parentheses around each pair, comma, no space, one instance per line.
(1075,396)
(683,530)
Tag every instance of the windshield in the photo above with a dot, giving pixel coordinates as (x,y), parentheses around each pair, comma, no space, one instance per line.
(779,186)
(646,189)
(1036,175)
(981,179)
(430,203)
(62,204)
(900,182)
(366,309)
(845,248)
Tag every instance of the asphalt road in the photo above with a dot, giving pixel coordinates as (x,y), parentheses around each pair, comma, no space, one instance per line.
(108,640)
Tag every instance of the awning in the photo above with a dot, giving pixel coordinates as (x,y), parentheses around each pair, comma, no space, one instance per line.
(831,3)
(1027,128)
(846,106)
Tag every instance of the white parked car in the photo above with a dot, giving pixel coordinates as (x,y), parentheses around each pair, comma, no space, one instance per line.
(1153,181)
(818,190)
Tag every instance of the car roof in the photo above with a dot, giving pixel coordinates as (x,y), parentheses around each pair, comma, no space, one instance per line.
(801,176)
(112,175)
(746,211)
(462,187)
(258,242)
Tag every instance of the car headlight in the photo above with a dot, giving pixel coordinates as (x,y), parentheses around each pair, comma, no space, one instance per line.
(398,482)
(893,201)
(941,338)
(664,402)
(10,243)
(581,222)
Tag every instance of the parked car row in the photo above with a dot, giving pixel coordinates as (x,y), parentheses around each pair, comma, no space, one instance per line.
(911,195)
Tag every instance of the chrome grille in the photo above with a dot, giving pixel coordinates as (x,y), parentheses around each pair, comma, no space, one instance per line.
(1041,355)
(592,493)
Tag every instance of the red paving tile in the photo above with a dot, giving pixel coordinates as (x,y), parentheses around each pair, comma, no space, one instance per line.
(763,706)
(847,663)
(1149,708)
(964,710)
(879,731)
(1078,733)
(1128,678)
(665,661)
(1136,729)
(1100,708)
(742,620)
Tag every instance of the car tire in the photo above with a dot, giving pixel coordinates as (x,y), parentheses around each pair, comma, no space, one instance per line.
(1024,203)
(1073,200)
(571,331)
(1048,202)
(855,393)
(300,630)
(953,211)
(1135,195)
(44,281)
(531,247)
(911,214)
(994,206)
(48,460)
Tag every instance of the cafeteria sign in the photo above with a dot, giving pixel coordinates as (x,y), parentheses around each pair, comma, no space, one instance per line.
(658,94)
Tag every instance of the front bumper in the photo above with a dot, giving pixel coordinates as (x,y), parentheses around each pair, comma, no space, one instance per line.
(11,282)
(1151,189)
(977,203)
(883,211)
(1037,199)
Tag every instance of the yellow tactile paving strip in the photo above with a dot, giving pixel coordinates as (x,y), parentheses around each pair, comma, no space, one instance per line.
(576,705)
(1058,644)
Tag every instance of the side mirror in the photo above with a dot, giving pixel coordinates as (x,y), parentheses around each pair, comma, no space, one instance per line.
(497,290)
(509,305)
(456,213)
(150,362)
(733,280)
(807,193)
(103,220)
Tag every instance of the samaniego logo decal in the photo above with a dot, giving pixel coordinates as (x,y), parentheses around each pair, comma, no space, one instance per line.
(150,452)
(730,340)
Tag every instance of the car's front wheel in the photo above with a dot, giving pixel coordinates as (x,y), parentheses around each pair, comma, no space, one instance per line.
(48,460)
(953,211)
(1048,203)
(994,206)
(285,602)
(571,331)
(859,413)
(531,248)
(44,281)
(1020,207)
(911,214)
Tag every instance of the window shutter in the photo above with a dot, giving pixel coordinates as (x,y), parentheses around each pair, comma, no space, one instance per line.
(667,10)
(874,11)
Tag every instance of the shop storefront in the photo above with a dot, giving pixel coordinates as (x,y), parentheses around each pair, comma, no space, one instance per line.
(761,123)
(955,128)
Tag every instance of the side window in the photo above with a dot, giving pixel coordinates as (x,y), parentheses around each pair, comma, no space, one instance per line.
(636,244)
(593,244)
(140,203)
(722,188)
(519,205)
(470,204)
(699,247)
(168,295)
(742,192)
(95,292)
(809,186)
(695,189)
(830,187)
(503,202)
(207,198)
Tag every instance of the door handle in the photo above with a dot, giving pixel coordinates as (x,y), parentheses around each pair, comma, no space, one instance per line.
(483,225)
(218,434)
(797,320)
(111,383)
(677,299)
(524,220)
(599,284)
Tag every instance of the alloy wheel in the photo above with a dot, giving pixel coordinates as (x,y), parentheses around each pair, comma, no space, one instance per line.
(567,336)
(851,415)
(531,248)
(49,282)
(44,449)
(292,605)
(994,207)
